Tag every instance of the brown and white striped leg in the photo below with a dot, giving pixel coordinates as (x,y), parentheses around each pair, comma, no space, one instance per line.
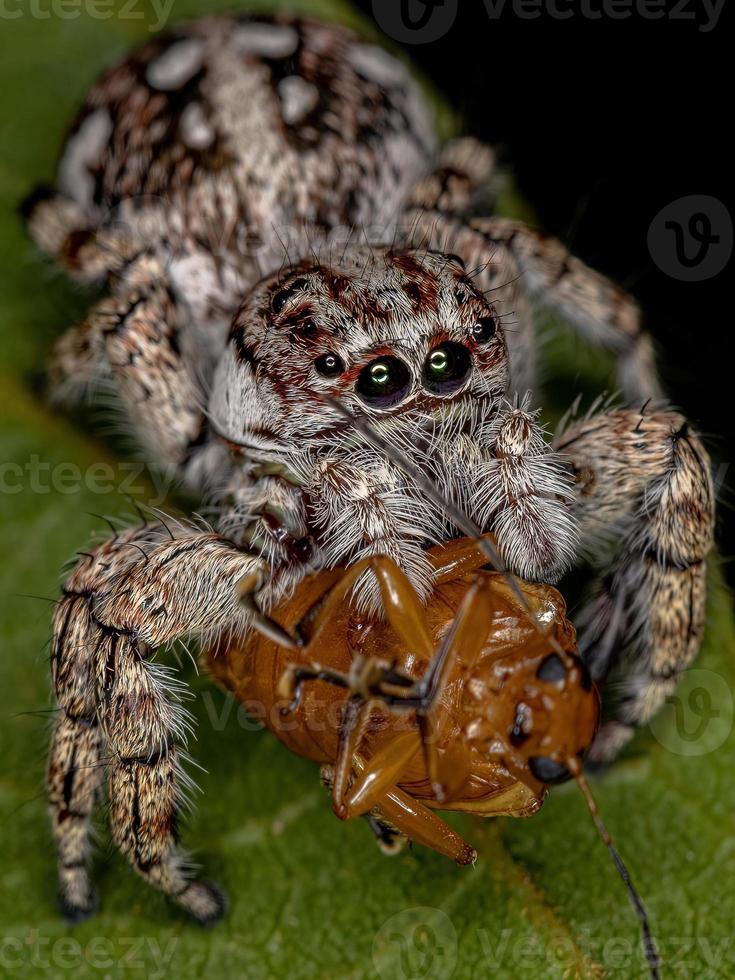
(512,263)
(645,498)
(465,167)
(74,779)
(135,337)
(146,780)
(594,305)
(78,751)
(61,229)
(118,708)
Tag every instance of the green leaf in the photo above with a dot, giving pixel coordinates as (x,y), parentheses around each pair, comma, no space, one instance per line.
(309,897)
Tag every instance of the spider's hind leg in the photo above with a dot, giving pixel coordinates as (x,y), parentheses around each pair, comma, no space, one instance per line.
(59,226)
(135,338)
(646,501)
(464,168)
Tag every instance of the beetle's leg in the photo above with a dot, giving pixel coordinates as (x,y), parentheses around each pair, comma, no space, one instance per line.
(405,613)
(644,487)
(370,682)
(420,824)
(119,709)
(514,263)
(388,838)
(397,819)
(453,559)
(446,762)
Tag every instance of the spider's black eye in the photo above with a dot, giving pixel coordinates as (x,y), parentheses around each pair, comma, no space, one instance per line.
(484,329)
(285,295)
(446,367)
(384,382)
(329,365)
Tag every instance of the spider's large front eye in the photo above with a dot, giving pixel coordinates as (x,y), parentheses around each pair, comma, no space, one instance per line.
(446,368)
(329,365)
(384,382)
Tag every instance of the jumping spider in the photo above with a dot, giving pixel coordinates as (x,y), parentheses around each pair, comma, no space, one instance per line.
(188,168)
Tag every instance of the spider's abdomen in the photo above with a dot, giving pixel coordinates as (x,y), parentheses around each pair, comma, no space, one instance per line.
(291,120)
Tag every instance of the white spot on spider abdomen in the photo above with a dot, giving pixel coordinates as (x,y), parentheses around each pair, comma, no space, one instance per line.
(268,40)
(196,130)
(82,153)
(376,64)
(175,66)
(298,98)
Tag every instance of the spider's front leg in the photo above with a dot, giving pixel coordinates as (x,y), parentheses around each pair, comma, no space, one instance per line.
(119,709)
(645,500)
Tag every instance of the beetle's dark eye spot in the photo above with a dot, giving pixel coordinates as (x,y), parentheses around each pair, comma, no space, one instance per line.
(446,367)
(384,382)
(546,770)
(484,329)
(552,669)
(329,365)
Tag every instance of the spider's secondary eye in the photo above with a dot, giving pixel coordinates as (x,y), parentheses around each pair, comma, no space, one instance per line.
(384,382)
(285,295)
(329,365)
(446,368)
(484,329)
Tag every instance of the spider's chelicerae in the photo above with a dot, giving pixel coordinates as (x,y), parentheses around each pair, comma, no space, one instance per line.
(189,168)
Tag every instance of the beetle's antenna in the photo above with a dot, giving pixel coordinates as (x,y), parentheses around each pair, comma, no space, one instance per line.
(462,520)
(649,945)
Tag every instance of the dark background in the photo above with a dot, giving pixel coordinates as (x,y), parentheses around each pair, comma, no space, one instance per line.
(604,122)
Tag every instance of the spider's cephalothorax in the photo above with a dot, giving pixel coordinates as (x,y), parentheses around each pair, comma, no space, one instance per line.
(203,182)
(407,339)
